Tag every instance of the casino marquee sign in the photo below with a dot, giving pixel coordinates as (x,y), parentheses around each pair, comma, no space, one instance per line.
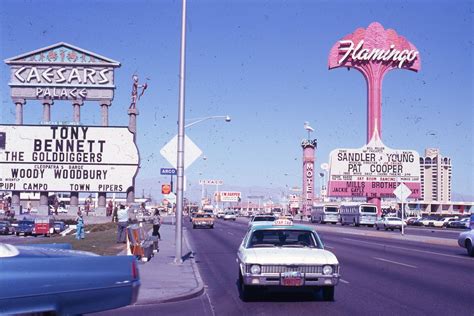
(67,158)
(62,71)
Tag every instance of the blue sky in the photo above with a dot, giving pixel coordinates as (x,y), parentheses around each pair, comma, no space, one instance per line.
(264,63)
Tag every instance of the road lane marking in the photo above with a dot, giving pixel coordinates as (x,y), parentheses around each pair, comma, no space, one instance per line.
(403,248)
(230,233)
(395,262)
(344,281)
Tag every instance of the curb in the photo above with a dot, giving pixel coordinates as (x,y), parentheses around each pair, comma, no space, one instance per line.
(197,291)
(412,238)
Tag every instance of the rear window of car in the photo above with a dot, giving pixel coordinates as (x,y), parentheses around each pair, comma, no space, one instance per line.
(264,219)
(283,238)
(203,216)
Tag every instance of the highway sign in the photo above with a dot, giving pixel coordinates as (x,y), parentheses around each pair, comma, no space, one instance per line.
(168,171)
(170,152)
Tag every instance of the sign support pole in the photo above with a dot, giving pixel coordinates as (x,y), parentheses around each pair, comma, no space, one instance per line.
(180,165)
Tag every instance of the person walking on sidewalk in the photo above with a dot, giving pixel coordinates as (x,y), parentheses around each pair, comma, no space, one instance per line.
(122,223)
(156,224)
(79,226)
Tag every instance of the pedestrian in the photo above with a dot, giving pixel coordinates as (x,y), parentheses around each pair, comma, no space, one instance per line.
(110,208)
(79,226)
(122,223)
(114,214)
(156,224)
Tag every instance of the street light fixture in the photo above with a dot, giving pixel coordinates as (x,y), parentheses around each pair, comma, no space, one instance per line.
(199,120)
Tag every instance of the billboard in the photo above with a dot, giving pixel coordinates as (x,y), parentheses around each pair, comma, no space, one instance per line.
(62,71)
(67,158)
(373,171)
(230,196)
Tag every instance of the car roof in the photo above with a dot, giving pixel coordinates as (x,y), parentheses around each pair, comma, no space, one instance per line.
(281,227)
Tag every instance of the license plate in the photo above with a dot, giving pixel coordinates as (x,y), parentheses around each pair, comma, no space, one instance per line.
(291,279)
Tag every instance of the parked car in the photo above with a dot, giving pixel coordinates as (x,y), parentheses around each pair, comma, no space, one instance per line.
(230,216)
(429,221)
(391,223)
(6,228)
(285,255)
(65,282)
(411,220)
(440,221)
(466,240)
(462,223)
(59,226)
(25,227)
(44,226)
(220,214)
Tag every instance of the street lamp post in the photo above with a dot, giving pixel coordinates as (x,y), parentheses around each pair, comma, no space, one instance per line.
(199,120)
(180,163)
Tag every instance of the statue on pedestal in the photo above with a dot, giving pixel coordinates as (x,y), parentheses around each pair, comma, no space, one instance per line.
(135,95)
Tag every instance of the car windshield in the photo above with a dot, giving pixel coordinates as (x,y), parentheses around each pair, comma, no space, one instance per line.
(331,209)
(283,238)
(203,216)
(264,219)
(393,219)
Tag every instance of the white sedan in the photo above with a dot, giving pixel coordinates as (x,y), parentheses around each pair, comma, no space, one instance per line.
(391,223)
(230,216)
(466,240)
(285,255)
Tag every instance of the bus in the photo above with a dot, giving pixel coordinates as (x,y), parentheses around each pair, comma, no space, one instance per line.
(325,213)
(357,213)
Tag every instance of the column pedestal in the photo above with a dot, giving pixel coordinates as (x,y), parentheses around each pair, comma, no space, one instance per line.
(102,201)
(132,127)
(19,110)
(74,203)
(43,208)
(104,110)
(15,206)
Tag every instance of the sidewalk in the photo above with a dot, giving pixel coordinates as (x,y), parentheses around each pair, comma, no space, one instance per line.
(164,281)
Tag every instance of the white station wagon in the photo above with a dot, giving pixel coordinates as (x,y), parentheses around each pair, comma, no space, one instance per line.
(286,256)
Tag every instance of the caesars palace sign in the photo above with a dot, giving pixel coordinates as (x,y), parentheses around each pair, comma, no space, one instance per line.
(62,71)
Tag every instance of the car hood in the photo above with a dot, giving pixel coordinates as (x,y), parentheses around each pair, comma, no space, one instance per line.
(288,256)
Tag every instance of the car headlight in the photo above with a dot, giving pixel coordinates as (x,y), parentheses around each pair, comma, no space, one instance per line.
(255,269)
(327,270)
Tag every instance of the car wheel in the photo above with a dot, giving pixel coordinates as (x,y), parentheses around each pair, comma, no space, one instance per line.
(17,234)
(378,228)
(385,227)
(194,226)
(246,292)
(392,229)
(212,227)
(470,248)
(328,293)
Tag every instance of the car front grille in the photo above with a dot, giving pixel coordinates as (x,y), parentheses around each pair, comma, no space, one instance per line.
(291,268)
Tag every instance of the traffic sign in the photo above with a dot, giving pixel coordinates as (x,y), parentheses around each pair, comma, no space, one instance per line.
(402,192)
(168,171)
(170,152)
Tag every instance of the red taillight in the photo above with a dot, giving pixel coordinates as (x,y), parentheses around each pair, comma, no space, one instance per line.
(134,270)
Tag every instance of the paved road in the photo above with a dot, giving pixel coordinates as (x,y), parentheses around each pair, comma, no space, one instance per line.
(379,276)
